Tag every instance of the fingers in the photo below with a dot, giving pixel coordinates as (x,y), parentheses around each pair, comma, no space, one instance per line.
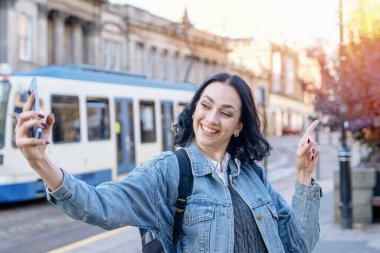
(22,142)
(26,116)
(50,120)
(24,124)
(310,129)
(303,146)
(24,129)
(315,151)
(29,103)
(308,147)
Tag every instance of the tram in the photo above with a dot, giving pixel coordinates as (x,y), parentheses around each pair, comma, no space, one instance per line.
(106,123)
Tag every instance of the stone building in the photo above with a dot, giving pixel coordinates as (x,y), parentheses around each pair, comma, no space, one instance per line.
(282,75)
(163,49)
(45,32)
(253,56)
(117,37)
(37,33)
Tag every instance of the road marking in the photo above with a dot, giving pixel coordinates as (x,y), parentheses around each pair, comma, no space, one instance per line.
(88,240)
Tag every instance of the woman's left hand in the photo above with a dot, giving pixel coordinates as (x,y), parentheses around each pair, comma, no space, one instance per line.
(307,155)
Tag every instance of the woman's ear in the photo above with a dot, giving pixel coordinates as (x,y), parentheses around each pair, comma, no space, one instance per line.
(239,127)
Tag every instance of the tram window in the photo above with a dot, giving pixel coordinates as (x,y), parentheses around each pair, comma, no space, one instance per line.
(147,122)
(67,124)
(167,125)
(98,119)
(179,108)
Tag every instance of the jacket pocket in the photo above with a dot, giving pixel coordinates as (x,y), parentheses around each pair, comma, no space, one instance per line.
(196,227)
(198,212)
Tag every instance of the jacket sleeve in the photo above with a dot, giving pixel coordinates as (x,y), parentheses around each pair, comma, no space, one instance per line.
(298,225)
(135,200)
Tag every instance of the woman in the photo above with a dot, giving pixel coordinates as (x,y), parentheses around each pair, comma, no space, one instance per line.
(230,210)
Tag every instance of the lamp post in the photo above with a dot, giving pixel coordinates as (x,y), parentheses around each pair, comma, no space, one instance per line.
(262,103)
(344,152)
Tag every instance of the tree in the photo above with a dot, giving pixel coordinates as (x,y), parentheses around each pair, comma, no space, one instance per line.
(351,84)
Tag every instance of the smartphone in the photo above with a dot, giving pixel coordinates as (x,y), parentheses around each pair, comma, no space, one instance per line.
(35,132)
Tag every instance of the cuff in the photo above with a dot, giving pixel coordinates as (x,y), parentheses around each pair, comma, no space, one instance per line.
(313,191)
(63,192)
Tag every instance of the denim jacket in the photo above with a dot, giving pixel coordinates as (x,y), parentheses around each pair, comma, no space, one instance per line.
(146,198)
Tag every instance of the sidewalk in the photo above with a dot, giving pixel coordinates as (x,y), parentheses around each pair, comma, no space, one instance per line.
(333,238)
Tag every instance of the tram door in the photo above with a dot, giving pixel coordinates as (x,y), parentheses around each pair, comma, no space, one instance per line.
(126,160)
(167,121)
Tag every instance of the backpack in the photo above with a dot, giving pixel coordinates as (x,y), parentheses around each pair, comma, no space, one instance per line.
(149,243)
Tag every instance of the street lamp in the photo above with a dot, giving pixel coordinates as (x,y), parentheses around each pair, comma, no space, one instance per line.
(262,102)
(344,151)
(344,154)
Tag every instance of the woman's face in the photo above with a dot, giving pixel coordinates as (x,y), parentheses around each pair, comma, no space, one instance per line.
(217,117)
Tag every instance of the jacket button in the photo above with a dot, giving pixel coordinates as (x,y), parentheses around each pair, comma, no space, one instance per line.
(234,181)
(260,217)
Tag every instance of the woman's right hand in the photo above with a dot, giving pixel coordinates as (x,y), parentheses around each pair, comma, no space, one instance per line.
(32,148)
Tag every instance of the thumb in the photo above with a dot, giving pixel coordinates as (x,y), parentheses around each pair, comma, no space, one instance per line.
(50,120)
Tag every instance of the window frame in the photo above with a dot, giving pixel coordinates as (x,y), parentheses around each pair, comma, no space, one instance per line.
(153,138)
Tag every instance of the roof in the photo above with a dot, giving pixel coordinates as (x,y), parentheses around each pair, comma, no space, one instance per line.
(94,74)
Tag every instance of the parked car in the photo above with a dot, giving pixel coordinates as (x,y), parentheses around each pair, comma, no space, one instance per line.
(288,130)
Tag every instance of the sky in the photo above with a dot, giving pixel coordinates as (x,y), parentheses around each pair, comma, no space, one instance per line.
(300,21)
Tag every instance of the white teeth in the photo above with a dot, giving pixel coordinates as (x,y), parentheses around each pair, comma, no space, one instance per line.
(208,129)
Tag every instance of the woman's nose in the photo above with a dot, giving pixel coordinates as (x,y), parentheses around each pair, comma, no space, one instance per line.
(212,117)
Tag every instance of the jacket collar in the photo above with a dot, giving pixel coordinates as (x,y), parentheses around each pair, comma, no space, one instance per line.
(200,164)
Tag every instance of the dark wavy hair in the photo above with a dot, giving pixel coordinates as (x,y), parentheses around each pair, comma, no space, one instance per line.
(250,145)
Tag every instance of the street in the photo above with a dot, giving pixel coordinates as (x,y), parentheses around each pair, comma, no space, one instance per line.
(40,227)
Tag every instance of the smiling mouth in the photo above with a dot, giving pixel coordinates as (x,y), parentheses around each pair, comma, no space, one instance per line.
(208,130)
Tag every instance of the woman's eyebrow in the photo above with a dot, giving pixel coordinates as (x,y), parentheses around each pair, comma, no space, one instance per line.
(224,105)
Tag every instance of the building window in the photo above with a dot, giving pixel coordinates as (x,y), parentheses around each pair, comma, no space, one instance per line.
(289,77)
(98,119)
(67,124)
(176,67)
(25,37)
(261,96)
(117,56)
(147,122)
(165,65)
(112,52)
(152,62)
(179,108)
(276,72)
(140,64)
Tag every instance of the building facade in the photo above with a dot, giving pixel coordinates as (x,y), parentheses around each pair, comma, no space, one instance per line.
(37,33)
(116,37)
(43,32)
(284,77)
(162,49)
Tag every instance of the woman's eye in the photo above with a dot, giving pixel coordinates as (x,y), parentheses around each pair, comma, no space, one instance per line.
(205,106)
(227,114)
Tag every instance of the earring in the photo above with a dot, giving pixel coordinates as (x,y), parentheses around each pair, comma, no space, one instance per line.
(236,134)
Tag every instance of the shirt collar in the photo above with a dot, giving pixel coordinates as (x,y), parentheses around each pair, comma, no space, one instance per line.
(200,164)
(223,165)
